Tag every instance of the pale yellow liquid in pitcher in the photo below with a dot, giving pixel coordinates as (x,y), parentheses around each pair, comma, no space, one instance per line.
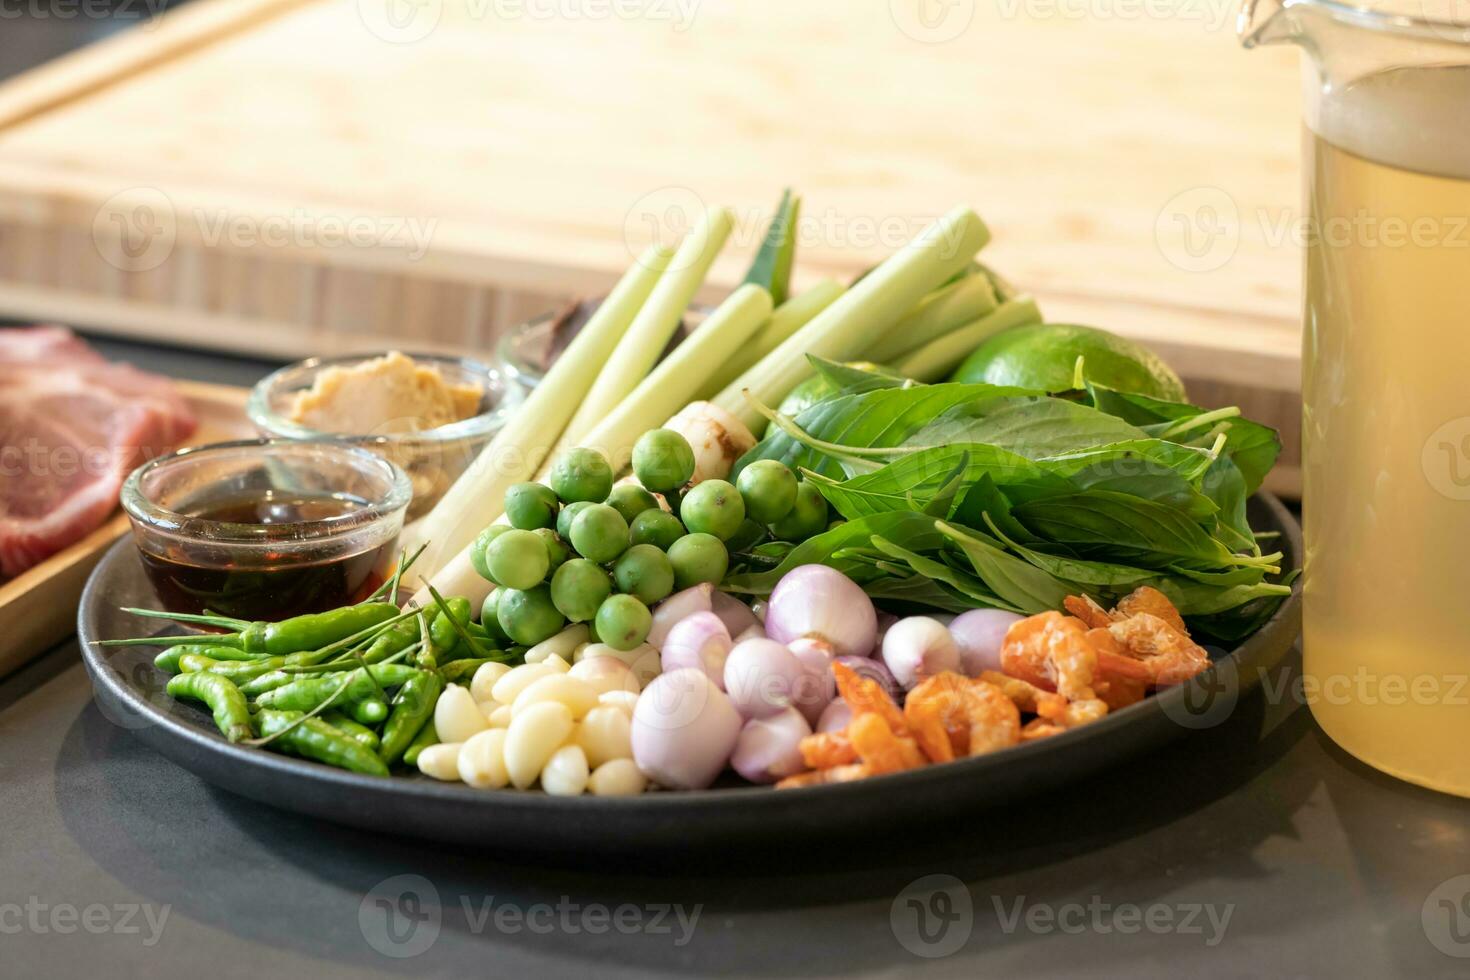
(1386,388)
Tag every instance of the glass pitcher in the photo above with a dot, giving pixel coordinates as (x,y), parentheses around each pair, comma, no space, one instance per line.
(1386,378)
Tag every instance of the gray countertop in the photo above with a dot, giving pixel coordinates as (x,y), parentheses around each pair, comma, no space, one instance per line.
(1250,848)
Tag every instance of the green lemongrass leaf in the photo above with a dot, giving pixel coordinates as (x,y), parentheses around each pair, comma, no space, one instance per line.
(1015,581)
(772,266)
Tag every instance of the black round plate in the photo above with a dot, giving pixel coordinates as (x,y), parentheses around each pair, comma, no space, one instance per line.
(130,690)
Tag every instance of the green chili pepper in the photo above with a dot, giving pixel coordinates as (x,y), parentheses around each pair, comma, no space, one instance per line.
(267,682)
(306,693)
(315,739)
(412,709)
(235,670)
(427,736)
(371,711)
(348,726)
(169,659)
(300,634)
(442,631)
(231,713)
(393,640)
(463,671)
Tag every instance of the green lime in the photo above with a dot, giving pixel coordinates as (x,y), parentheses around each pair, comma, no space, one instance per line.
(517,560)
(530,506)
(645,572)
(623,622)
(663,460)
(578,588)
(807,519)
(581,474)
(600,534)
(698,558)
(656,527)
(713,507)
(1044,356)
(630,500)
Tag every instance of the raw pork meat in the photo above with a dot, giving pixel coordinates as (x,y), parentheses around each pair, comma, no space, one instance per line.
(72,427)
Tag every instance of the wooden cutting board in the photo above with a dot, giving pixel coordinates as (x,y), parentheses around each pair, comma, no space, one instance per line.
(184,181)
(39,607)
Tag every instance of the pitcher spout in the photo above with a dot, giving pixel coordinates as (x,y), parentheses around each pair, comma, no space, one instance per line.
(1268,22)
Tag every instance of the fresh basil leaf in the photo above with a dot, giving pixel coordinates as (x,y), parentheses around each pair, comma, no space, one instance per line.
(987,502)
(916,529)
(1117,527)
(964,583)
(848,380)
(1225,485)
(1032,427)
(1019,583)
(1094,573)
(882,419)
(1252,446)
(923,475)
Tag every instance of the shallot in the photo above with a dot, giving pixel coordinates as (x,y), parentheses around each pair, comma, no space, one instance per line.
(699,598)
(821,602)
(979,634)
(684,729)
(917,648)
(770,748)
(700,641)
(762,677)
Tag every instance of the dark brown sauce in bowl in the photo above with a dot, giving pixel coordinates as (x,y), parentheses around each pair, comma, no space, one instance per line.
(285,582)
(267,530)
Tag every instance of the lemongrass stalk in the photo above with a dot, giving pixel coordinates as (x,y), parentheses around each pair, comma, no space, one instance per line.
(850,326)
(936,359)
(788,318)
(661,395)
(655,324)
(937,314)
(517,451)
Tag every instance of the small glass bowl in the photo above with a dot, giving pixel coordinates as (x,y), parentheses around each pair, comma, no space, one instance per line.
(434,458)
(265,529)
